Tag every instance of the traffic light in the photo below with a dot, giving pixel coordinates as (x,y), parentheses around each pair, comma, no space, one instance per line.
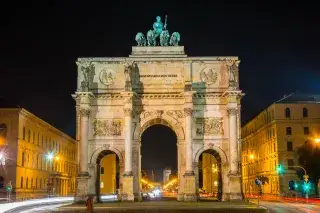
(280,169)
(292,185)
(306,186)
(9,187)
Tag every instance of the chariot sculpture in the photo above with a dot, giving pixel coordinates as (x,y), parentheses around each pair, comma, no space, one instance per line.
(160,33)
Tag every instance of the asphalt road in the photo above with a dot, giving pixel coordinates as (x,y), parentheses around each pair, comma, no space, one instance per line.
(278,207)
(273,207)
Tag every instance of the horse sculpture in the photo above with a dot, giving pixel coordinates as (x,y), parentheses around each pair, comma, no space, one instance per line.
(175,38)
(151,37)
(164,38)
(140,39)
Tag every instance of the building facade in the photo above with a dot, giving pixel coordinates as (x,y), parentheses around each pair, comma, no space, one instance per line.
(166,175)
(37,158)
(272,138)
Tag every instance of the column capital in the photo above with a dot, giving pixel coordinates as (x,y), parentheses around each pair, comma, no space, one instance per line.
(127,111)
(188,111)
(85,112)
(83,97)
(232,111)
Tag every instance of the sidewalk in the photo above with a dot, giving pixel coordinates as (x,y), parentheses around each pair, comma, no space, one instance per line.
(285,199)
(36,202)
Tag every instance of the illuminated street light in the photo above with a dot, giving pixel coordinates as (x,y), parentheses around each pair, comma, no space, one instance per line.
(49,156)
(317,140)
(57,157)
(251,156)
(1,156)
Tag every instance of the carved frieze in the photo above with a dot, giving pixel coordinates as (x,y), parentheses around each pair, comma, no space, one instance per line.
(87,73)
(175,113)
(106,127)
(209,126)
(127,111)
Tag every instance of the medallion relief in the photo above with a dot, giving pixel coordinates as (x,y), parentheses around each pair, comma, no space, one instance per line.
(107,76)
(208,75)
(106,127)
(209,126)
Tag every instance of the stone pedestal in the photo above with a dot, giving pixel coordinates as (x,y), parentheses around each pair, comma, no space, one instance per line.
(127,188)
(190,194)
(235,187)
(82,188)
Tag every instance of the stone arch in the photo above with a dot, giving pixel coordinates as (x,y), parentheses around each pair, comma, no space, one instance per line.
(162,120)
(96,153)
(222,154)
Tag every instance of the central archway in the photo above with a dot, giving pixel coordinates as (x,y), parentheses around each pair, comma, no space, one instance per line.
(159,161)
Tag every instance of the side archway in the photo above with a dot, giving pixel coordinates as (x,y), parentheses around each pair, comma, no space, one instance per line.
(96,153)
(222,154)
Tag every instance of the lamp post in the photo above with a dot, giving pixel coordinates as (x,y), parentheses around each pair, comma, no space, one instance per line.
(251,157)
(317,140)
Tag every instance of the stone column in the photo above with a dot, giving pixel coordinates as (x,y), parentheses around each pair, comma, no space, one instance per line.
(232,113)
(128,141)
(127,177)
(85,113)
(82,187)
(188,139)
(189,176)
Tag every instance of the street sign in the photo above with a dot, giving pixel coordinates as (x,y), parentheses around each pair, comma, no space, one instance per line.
(258,182)
(306,178)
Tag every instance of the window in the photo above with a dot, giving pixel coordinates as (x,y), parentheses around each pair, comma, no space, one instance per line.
(102,170)
(287,112)
(31,183)
(1,182)
(29,135)
(288,130)
(290,163)
(21,182)
(40,185)
(24,133)
(305,112)
(27,182)
(306,130)
(22,159)
(36,183)
(289,146)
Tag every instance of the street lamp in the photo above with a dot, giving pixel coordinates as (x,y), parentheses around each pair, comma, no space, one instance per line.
(317,140)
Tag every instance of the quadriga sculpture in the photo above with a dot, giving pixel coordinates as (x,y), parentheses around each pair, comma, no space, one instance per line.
(140,39)
(175,38)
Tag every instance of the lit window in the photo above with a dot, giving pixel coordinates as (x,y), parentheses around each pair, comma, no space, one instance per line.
(288,131)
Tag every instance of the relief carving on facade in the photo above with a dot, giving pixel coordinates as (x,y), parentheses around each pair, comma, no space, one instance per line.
(107,76)
(106,127)
(209,126)
(87,73)
(175,113)
(208,75)
(233,70)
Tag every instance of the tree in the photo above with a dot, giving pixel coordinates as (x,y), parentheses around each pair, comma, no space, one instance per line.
(309,158)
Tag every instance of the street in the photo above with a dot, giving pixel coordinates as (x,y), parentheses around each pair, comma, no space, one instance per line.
(169,206)
(279,207)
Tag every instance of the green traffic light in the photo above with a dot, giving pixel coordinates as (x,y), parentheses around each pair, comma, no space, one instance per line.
(280,169)
(296,186)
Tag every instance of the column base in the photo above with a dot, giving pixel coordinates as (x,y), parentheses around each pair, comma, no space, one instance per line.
(235,187)
(82,188)
(190,194)
(127,188)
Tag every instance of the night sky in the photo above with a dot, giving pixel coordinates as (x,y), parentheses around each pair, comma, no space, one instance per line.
(278,45)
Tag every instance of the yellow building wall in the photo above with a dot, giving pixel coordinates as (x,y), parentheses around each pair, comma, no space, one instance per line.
(209,175)
(108,179)
(265,138)
(31,140)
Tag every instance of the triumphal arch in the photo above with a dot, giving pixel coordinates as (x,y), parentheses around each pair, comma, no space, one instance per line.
(117,99)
